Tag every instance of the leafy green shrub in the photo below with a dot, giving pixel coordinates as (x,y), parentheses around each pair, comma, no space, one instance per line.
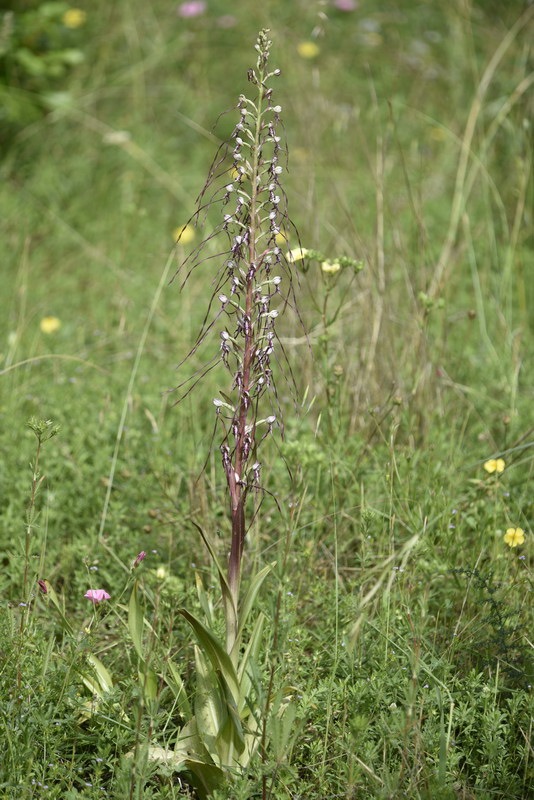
(39,45)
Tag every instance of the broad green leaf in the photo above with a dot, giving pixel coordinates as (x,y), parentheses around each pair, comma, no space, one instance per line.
(225,589)
(31,63)
(225,745)
(248,603)
(212,648)
(233,729)
(210,711)
(205,778)
(204,600)
(190,745)
(203,775)
(104,678)
(92,684)
(230,729)
(283,730)
(251,653)
(148,680)
(176,685)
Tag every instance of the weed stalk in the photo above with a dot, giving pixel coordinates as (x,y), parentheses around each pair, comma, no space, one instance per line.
(43,430)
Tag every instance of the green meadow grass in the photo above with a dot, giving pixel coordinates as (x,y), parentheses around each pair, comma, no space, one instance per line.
(400,624)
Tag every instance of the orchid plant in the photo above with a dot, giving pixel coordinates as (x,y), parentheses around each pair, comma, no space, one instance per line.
(252,289)
(250,295)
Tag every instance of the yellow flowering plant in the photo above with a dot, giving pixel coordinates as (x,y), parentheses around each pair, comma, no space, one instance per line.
(184,234)
(74,18)
(308,50)
(49,325)
(328,304)
(494,466)
(514,537)
(328,265)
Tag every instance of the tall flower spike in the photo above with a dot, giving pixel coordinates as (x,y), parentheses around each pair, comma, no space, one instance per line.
(253,226)
(249,294)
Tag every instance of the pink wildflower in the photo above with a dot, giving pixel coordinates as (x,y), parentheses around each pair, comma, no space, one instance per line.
(346,5)
(139,557)
(194,8)
(97,595)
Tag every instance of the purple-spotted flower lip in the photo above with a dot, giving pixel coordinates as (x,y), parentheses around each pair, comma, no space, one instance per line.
(97,595)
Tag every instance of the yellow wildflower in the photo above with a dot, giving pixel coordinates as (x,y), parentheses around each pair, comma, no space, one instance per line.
(330,267)
(184,234)
(297,254)
(50,324)
(74,18)
(514,536)
(308,49)
(281,238)
(495,465)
